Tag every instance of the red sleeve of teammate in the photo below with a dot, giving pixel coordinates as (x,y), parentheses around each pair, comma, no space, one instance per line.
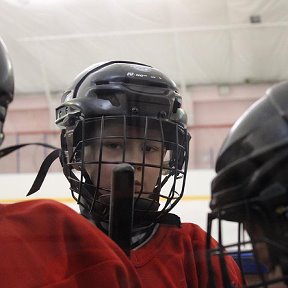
(45,243)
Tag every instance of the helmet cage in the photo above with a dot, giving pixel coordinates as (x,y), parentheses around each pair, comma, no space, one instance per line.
(173,139)
(243,252)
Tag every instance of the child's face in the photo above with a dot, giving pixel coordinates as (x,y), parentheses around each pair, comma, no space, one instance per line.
(112,151)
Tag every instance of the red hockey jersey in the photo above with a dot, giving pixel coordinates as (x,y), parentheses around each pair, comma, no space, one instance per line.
(176,257)
(46,244)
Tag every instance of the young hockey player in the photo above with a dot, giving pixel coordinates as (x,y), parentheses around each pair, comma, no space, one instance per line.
(251,188)
(44,243)
(125,112)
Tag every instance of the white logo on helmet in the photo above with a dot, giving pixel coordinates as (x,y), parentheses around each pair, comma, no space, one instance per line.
(141,75)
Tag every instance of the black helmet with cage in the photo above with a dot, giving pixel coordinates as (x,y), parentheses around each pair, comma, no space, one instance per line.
(251,184)
(126,94)
(6,85)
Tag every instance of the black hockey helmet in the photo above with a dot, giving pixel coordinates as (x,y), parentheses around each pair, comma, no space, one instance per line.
(6,97)
(251,184)
(6,85)
(133,94)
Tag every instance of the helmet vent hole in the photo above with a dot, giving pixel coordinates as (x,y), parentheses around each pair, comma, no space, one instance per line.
(102,82)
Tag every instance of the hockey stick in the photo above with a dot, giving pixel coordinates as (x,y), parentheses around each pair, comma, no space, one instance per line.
(121,206)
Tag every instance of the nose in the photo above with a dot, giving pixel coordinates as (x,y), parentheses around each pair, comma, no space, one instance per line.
(135,158)
(133,155)
(139,178)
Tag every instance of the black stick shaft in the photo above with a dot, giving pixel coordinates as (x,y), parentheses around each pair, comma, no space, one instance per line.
(121,206)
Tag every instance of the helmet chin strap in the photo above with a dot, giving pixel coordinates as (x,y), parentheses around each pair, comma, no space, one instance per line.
(142,217)
(144,222)
(44,166)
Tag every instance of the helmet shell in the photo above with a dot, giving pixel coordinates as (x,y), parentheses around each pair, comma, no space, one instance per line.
(121,88)
(6,85)
(255,146)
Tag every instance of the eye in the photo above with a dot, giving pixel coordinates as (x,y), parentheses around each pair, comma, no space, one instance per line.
(150,148)
(113,145)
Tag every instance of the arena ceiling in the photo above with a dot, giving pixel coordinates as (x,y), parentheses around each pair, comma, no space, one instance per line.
(194,42)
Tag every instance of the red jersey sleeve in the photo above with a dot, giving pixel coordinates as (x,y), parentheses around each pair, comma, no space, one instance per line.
(46,244)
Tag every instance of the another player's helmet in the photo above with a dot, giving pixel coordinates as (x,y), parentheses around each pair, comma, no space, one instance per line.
(6,85)
(251,185)
(132,94)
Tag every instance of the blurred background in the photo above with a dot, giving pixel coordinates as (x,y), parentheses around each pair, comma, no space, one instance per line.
(223,54)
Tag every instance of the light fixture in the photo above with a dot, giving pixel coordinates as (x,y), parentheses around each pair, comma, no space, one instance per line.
(255,19)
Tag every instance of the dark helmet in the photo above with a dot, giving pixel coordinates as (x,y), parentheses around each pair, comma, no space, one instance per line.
(6,85)
(132,94)
(251,184)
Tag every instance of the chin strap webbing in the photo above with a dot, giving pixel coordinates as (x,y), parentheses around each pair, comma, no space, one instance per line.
(156,217)
(44,166)
(10,149)
(43,171)
(166,219)
(170,219)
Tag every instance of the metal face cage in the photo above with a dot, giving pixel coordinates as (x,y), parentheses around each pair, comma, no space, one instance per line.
(95,145)
(244,250)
